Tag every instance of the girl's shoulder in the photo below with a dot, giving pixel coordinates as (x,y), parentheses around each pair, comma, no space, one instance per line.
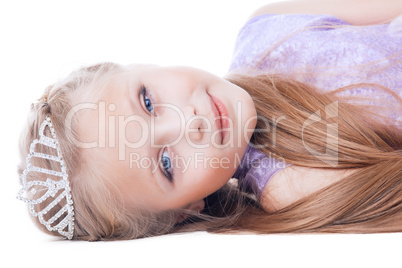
(354,12)
(302,38)
(295,182)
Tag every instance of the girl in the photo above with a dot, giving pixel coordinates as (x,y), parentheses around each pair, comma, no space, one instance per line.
(307,123)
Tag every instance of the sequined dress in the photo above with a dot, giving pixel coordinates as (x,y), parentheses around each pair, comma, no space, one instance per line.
(338,55)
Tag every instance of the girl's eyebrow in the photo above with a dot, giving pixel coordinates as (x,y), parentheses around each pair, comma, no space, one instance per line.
(134,93)
(134,99)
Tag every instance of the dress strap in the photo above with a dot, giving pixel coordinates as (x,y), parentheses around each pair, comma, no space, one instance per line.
(256,169)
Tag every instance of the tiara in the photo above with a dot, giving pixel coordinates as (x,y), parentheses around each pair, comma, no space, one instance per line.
(63,219)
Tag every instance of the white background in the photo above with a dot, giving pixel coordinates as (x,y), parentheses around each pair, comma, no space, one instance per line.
(42,41)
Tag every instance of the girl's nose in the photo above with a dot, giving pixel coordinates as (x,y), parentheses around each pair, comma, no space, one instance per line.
(174,124)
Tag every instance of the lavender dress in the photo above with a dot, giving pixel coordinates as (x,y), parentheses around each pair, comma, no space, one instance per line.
(337,57)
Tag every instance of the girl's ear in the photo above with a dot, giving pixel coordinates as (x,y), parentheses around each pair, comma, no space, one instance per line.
(196,206)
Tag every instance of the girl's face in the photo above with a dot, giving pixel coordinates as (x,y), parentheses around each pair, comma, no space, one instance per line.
(170,136)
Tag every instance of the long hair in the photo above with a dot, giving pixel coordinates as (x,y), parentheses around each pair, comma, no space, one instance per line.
(316,128)
(369,200)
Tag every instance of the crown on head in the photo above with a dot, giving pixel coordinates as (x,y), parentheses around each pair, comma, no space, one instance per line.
(59,190)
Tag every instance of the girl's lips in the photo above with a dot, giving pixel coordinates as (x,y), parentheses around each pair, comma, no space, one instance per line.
(221,116)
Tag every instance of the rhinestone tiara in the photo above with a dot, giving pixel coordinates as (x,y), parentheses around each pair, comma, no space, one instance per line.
(63,219)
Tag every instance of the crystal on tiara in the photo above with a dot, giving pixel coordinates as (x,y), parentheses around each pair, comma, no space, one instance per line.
(63,225)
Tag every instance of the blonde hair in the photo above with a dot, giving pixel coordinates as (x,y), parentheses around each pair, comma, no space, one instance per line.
(369,200)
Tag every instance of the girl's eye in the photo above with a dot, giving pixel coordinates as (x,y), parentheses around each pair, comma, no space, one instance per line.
(166,165)
(146,100)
